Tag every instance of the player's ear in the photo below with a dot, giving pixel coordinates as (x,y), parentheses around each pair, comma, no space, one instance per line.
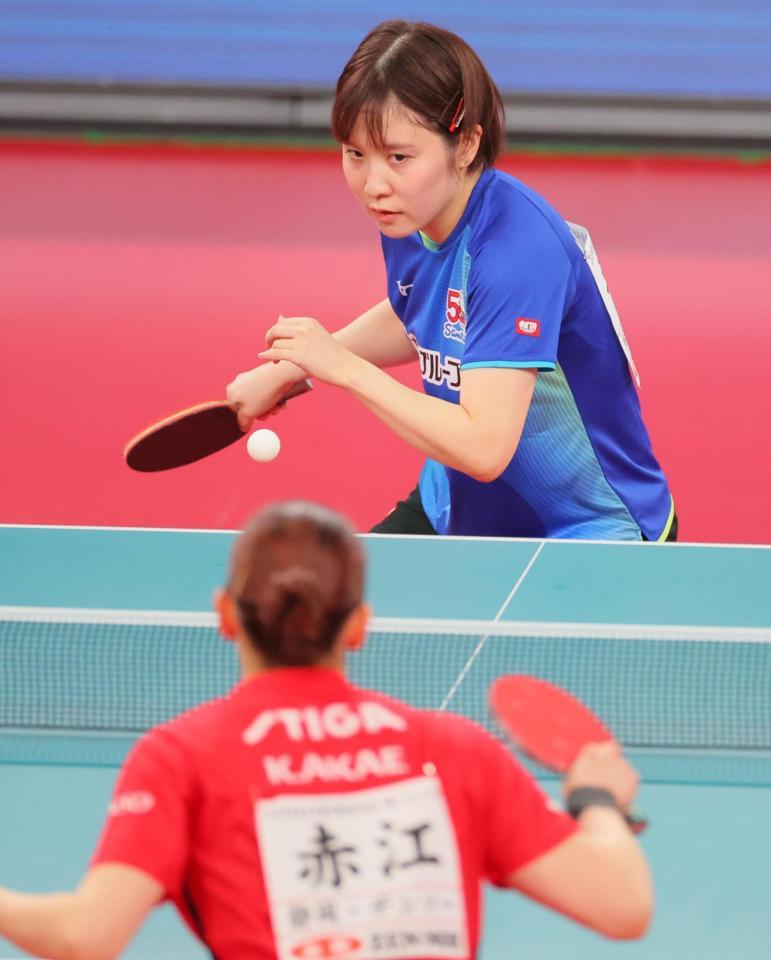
(355,627)
(468,146)
(226,614)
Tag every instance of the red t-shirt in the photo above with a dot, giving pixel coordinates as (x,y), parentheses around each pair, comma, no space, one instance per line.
(303,817)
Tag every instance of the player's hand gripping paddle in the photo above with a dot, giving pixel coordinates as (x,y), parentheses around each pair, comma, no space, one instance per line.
(549,724)
(190,435)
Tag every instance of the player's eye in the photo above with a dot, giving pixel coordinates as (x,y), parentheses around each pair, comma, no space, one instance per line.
(353,153)
(399,157)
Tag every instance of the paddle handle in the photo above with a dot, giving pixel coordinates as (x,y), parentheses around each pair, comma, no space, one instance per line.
(635,822)
(296,390)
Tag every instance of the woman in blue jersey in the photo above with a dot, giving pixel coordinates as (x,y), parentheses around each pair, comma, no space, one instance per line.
(530,419)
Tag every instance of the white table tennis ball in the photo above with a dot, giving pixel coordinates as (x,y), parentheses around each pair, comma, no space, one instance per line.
(263,446)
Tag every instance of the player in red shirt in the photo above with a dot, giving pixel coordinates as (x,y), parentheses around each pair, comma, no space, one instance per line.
(301,816)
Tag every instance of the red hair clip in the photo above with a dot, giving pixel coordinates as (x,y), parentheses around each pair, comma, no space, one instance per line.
(457,117)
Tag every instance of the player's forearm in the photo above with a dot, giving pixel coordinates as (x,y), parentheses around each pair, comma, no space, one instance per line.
(377,336)
(441,430)
(282,375)
(94,922)
(598,877)
(45,925)
(616,884)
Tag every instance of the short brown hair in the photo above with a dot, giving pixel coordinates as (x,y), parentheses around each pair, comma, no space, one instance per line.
(297,572)
(427,70)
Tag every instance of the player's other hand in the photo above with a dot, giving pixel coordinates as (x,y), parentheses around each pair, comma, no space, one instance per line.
(256,394)
(303,341)
(604,765)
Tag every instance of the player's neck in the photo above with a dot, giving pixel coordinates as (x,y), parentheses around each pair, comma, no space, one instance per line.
(440,228)
(253,665)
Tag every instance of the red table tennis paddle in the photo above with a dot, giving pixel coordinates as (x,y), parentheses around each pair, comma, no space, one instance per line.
(548,724)
(191,434)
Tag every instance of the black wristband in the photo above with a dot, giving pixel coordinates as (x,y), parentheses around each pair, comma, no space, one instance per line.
(580,798)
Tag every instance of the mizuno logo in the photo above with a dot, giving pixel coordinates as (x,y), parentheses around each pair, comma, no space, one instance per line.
(404,288)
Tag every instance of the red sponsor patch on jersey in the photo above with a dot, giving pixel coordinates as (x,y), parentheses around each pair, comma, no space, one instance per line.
(528,327)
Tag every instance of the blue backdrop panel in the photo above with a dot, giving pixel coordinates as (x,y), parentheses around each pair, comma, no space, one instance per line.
(701,48)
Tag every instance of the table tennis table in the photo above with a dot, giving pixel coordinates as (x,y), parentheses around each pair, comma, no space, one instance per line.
(442,577)
(448,614)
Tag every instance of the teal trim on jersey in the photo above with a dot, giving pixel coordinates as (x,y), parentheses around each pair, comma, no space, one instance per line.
(554,472)
(516,364)
(555,458)
(428,243)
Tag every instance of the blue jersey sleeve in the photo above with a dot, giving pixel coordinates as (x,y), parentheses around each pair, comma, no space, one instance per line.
(519,287)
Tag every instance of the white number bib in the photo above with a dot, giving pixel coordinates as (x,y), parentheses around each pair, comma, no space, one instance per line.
(367,875)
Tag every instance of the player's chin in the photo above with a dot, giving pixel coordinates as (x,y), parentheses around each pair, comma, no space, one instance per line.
(397,230)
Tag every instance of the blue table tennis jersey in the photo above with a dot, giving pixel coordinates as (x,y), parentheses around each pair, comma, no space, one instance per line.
(512,287)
